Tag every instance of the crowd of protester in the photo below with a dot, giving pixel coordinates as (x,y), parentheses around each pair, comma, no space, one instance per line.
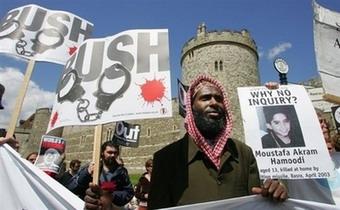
(207,117)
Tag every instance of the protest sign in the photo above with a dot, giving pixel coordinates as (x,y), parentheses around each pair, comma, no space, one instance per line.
(36,33)
(319,190)
(122,77)
(283,130)
(50,154)
(327,50)
(126,134)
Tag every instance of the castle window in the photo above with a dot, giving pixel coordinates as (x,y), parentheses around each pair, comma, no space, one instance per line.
(221,66)
(82,139)
(175,127)
(149,132)
(216,65)
(191,54)
(109,134)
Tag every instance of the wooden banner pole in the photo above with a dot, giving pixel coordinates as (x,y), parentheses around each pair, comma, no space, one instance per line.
(96,152)
(20,99)
(332,98)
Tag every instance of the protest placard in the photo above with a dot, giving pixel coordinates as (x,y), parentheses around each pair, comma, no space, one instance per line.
(126,134)
(36,33)
(282,128)
(122,77)
(50,153)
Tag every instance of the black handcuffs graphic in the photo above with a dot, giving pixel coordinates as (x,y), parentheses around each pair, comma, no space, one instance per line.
(105,100)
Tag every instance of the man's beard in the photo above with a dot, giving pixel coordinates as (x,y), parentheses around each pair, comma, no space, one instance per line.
(110,162)
(208,127)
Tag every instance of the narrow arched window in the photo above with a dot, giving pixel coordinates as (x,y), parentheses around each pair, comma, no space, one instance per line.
(216,65)
(221,66)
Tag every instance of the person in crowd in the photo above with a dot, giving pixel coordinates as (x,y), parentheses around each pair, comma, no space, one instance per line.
(206,164)
(280,128)
(66,177)
(32,157)
(143,186)
(325,127)
(115,188)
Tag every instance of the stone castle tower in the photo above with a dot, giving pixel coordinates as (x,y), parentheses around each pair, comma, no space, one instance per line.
(229,56)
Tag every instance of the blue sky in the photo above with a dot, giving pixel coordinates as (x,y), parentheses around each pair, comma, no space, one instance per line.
(281,28)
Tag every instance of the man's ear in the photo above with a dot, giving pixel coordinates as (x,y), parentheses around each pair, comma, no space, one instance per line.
(269,126)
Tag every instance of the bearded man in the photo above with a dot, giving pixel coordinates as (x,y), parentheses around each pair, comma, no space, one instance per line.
(206,164)
(115,188)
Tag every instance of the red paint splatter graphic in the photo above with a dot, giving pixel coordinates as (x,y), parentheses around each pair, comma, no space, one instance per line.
(153,90)
(71,50)
(54,119)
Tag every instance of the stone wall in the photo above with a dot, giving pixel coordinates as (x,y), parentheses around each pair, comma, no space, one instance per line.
(31,141)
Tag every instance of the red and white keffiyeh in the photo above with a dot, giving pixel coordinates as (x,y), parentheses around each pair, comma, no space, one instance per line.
(213,152)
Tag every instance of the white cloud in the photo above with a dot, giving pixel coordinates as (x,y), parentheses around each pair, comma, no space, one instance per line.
(35,98)
(260,51)
(17,58)
(272,53)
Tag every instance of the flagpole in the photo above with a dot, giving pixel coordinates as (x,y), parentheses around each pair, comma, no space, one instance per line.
(20,99)
(96,152)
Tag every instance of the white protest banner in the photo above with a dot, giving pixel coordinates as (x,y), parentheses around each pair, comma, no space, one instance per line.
(36,33)
(24,186)
(283,130)
(256,202)
(122,77)
(327,50)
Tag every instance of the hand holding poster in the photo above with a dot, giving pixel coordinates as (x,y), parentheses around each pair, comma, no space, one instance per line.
(51,154)
(34,32)
(282,128)
(122,77)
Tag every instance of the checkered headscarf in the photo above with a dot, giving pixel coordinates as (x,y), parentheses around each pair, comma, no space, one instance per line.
(213,152)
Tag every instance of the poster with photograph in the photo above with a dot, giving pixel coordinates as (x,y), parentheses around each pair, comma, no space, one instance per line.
(50,153)
(282,128)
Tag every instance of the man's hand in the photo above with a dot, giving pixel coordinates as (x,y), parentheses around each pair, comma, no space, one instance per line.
(90,169)
(11,141)
(92,198)
(272,189)
(272,85)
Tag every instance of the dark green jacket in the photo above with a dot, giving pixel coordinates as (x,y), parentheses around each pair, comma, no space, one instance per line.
(183,175)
